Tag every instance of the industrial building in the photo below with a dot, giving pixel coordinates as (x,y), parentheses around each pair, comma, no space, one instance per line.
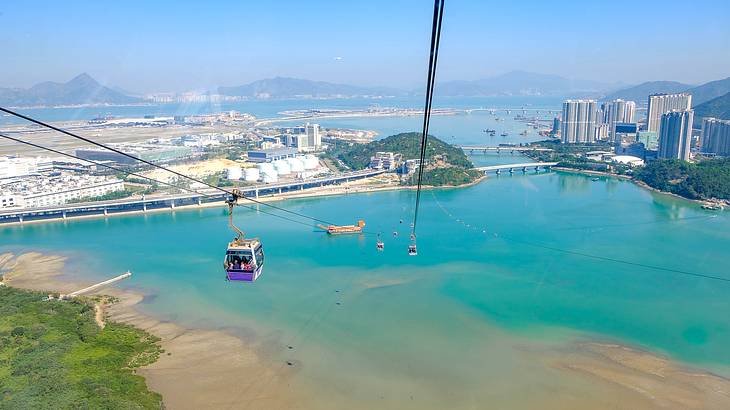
(147,152)
(270,155)
(56,189)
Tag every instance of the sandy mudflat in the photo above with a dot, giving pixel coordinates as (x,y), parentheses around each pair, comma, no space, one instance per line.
(204,368)
(656,382)
(217,370)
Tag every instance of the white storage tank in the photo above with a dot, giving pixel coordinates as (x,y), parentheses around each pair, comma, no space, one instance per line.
(310,161)
(295,164)
(282,167)
(234,173)
(251,174)
(269,177)
(266,167)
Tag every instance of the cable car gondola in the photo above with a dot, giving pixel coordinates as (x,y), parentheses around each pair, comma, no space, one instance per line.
(244,260)
(412,251)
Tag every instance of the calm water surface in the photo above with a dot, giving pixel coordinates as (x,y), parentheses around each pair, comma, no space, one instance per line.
(492,272)
(502,270)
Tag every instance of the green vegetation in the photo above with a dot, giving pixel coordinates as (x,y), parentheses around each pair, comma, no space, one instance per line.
(705,180)
(218,179)
(446,176)
(357,156)
(573,156)
(445,163)
(54,356)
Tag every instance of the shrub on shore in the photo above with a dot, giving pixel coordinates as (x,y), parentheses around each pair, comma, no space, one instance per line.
(53,355)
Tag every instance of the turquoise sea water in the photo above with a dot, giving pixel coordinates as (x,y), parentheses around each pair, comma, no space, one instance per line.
(489,265)
(502,270)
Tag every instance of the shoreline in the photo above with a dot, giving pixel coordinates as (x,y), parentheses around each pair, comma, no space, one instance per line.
(197,365)
(641,184)
(318,192)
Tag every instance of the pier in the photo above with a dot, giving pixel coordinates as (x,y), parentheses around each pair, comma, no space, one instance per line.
(96,286)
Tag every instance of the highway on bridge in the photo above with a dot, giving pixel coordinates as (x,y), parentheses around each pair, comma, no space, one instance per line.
(521,166)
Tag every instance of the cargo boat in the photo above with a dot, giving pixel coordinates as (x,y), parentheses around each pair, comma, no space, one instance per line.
(344,229)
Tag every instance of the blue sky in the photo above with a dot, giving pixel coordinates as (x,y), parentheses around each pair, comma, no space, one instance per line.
(179,45)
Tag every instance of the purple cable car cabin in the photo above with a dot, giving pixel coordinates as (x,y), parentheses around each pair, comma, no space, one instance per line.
(244,260)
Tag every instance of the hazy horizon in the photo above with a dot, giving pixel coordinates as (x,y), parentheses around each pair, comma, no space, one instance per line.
(165,47)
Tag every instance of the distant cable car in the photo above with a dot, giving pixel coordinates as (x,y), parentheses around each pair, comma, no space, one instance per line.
(412,251)
(244,260)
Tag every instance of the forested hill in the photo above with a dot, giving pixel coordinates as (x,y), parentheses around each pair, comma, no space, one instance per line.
(704,180)
(446,164)
(407,144)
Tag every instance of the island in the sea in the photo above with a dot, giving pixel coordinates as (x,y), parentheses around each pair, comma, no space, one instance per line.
(444,164)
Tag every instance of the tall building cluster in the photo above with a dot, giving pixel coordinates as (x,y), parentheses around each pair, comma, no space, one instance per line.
(583,121)
(667,133)
(619,111)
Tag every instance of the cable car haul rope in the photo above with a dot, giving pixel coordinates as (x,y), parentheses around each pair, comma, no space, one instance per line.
(438,10)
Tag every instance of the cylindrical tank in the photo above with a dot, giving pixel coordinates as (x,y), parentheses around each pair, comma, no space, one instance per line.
(269,177)
(282,167)
(295,164)
(234,173)
(266,167)
(310,161)
(251,174)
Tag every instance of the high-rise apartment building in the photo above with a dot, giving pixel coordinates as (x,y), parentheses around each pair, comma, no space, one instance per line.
(660,104)
(579,121)
(313,138)
(675,135)
(716,136)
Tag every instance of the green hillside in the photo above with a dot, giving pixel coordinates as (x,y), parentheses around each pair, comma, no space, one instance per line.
(709,91)
(718,108)
(446,164)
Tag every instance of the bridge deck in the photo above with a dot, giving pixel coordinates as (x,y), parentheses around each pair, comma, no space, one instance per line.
(490,148)
(516,166)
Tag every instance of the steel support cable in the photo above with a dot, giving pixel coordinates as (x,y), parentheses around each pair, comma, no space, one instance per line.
(438,9)
(90,141)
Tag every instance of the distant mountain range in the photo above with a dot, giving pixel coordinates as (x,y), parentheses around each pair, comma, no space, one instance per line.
(285,87)
(709,91)
(512,83)
(82,89)
(700,94)
(519,83)
(640,93)
(717,107)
